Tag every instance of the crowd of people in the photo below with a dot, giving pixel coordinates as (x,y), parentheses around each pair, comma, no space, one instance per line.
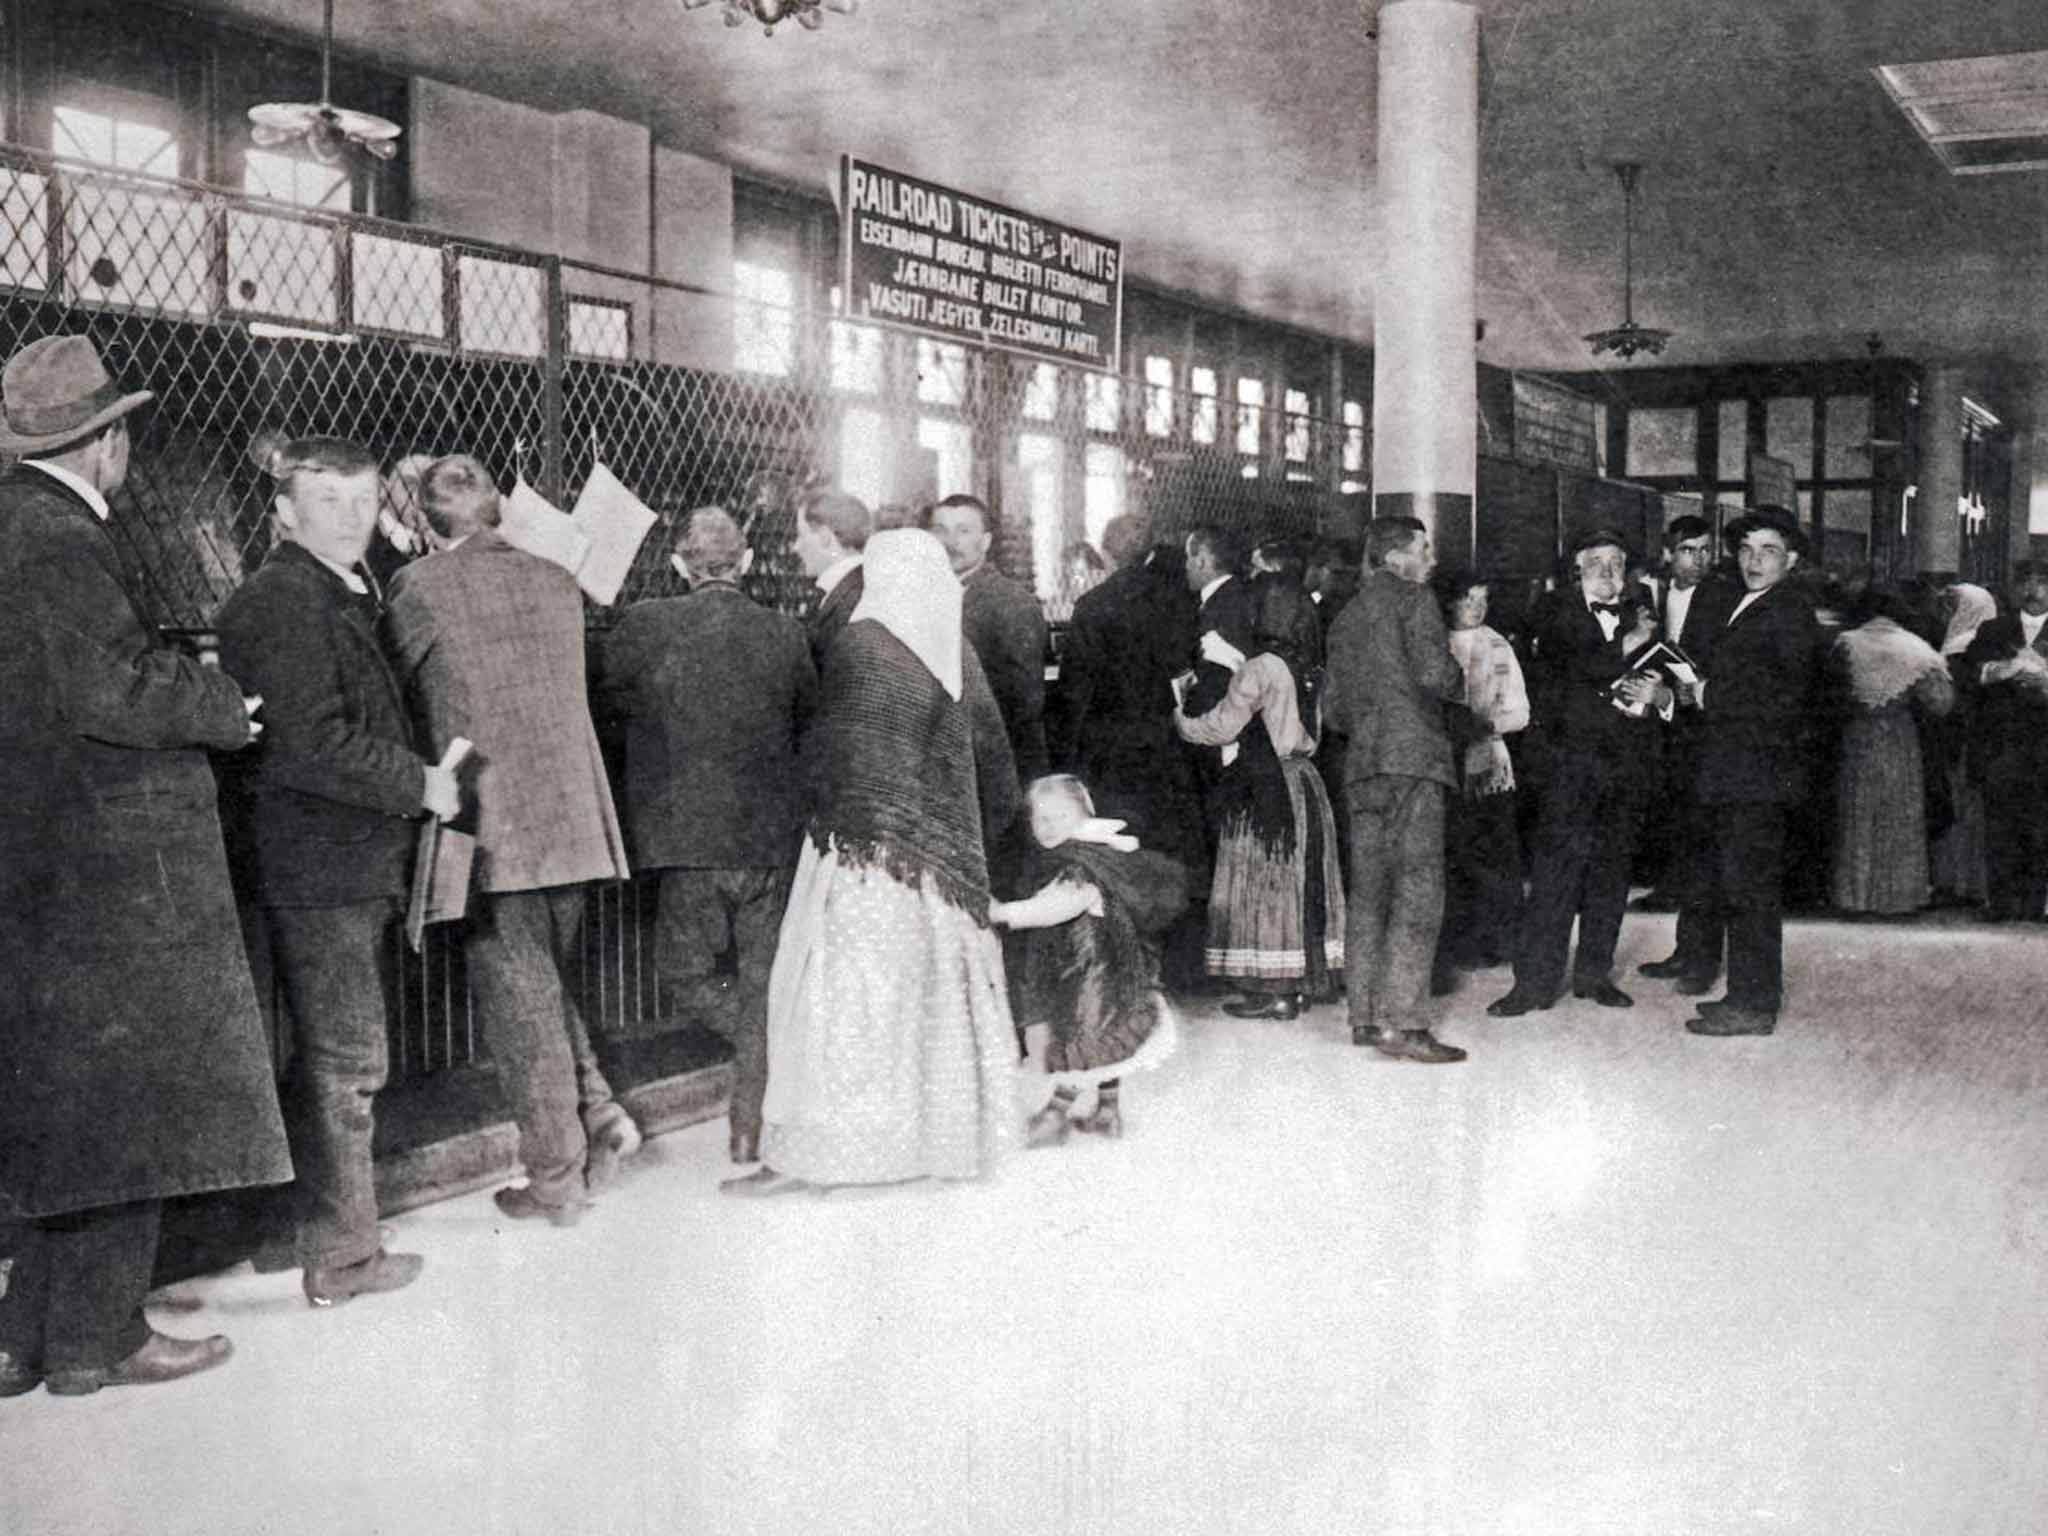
(893,867)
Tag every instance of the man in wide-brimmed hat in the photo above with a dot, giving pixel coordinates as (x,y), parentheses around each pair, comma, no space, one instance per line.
(132,1060)
(1759,664)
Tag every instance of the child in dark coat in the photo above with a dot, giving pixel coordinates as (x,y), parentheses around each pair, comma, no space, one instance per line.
(1089,986)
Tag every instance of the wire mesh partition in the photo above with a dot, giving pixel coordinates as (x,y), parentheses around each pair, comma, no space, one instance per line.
(248,318)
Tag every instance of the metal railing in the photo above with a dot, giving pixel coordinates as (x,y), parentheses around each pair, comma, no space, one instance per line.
(247,317)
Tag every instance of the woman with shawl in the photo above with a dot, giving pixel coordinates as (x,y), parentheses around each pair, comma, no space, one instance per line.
(1958,852)
(1886,673)
(1482,850)
(1276,903)
(891,1055)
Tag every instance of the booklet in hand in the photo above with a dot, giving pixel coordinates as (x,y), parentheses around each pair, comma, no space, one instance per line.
(1659,659)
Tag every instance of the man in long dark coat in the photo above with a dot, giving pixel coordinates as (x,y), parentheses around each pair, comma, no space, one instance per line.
(132,1060)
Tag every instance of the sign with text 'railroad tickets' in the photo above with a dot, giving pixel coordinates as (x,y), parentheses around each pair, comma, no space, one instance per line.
(942,262)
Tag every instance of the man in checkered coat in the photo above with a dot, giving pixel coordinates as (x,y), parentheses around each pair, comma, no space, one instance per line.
(488,643)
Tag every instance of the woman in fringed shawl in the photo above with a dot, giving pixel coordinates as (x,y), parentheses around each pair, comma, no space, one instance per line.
(1089,973)
(1957,858)
(1482,848)
(891,1054)
(1886,673)
(1276,904)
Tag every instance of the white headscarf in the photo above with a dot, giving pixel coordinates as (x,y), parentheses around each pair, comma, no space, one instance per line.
(909,589)
(1974,608)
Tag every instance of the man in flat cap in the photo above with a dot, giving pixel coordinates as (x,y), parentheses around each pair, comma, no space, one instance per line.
(133,1065)
(328,808)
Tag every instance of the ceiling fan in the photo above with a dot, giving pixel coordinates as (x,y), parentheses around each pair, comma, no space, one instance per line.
(326,131)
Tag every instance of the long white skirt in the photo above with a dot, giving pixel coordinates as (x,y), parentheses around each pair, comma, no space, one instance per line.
(891,1053)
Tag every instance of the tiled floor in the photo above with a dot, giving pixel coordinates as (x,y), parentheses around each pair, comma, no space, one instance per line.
(1606,1277)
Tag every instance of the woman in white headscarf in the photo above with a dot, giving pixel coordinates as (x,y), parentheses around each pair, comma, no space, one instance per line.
(891,1052)
(1957,854)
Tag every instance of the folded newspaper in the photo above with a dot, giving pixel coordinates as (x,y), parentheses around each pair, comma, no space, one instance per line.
(597,543)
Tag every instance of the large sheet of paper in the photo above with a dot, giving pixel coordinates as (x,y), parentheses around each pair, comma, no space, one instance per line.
(614,522)
(528,520)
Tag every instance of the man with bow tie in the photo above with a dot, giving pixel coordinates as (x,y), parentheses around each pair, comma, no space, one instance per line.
(1602,768)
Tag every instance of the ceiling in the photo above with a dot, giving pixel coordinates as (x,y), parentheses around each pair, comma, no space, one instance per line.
(1786,208)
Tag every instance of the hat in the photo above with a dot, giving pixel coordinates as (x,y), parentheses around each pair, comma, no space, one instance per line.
(55,391)
(1770,518)
(1598,538)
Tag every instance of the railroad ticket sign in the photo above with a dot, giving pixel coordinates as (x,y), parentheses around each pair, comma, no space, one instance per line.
(942,262)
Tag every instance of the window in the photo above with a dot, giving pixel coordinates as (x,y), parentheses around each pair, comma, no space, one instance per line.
(1105,402)
(289,179)
(1251,415)
(1202,409)
(856,358)
(1042,393)
(1848,454)
(763,319)
(864,455)
(1732,457)
(126,144)
(1102,497)
(1664,442)
(941,374)
(1039,458)
(1296,444)
(1159,396)
(1354,437)
(601,329)
(1788,432)
(952,445)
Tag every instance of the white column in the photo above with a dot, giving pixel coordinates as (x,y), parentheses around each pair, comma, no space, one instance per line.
(1425,398)
(1937,534)
(2029,515)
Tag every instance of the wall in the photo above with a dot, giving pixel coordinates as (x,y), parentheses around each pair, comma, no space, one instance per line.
(577,185)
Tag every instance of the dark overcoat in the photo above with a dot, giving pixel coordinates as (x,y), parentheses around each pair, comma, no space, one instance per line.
(133,1063)
(1005,626)
(326,806)
(1762,667)
(714,692)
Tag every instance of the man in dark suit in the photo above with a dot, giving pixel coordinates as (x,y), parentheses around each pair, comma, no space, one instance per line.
(1602,764)
(832,529)
(132,1060)
(1750,768)
(1666,851)
(487,641)
(2006,671)
(1128,638)
(1229,615)
(1391,674)
(715,691)
(327,811)
(1003,623)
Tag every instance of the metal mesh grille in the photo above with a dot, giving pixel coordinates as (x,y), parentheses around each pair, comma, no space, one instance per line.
(248,317)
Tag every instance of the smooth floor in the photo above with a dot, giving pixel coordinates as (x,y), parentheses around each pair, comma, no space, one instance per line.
(1605,1277)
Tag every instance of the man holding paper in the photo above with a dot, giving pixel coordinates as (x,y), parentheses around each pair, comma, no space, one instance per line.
(1598,715)
(326,808)
(488,645)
